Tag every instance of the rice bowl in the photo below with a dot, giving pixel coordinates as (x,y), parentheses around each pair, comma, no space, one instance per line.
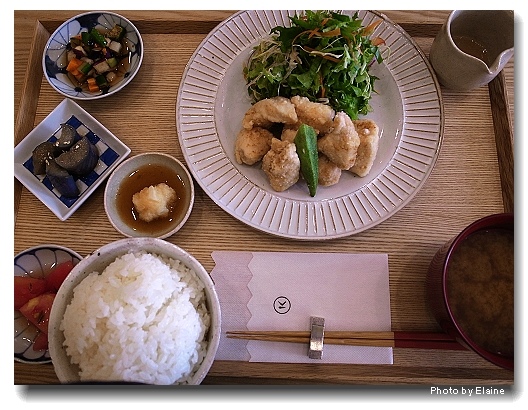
(135,312)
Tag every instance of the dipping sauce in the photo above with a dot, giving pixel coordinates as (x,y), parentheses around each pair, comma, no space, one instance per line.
(147,175)
(479,286)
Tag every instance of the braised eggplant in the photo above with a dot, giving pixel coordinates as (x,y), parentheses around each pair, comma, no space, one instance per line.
(67,137)
(80,159)
(61,179)
(42,153)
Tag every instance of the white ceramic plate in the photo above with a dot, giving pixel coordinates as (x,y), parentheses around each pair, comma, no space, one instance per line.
(111,152)
(213,98)
(36,262)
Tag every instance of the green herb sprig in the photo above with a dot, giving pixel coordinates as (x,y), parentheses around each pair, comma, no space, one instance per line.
(324,56)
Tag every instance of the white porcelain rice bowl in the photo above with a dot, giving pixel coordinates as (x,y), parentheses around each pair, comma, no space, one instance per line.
(137,310)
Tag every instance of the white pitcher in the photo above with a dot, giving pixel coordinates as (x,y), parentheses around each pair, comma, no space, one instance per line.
(472,47)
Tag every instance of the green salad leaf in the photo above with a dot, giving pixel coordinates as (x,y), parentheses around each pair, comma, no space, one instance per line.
(324,56)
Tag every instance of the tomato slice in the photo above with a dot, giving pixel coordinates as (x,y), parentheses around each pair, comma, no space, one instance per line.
(27,288)
(57,275)
(40,342)
(37,311)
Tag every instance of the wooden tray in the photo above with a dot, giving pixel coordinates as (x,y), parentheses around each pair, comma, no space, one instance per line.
(473,177)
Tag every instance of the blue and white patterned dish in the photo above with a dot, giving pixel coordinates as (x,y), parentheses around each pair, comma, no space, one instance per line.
(111,152)
(54,59)
(36,262)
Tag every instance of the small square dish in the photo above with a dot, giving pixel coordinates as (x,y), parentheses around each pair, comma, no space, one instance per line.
(110,149)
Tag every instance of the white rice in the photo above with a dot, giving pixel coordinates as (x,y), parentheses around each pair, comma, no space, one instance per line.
(143,319)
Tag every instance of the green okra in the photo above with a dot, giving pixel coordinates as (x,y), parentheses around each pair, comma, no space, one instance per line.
(306,145)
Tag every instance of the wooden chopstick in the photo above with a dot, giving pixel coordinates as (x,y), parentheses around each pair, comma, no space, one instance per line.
(340,334)
(419,340)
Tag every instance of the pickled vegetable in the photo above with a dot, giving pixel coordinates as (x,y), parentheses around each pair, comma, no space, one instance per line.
(95,53)
(117,33)
(97,37)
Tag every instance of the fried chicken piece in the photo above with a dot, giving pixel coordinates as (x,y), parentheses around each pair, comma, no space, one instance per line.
(281,164)
(252,144)
(329,173)
(289,132)
(317,115)
(268,111)
(341,144)
(368,133)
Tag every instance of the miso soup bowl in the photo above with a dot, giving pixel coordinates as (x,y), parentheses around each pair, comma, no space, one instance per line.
(441,302)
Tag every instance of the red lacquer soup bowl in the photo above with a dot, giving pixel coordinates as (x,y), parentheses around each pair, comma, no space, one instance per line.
(470,287)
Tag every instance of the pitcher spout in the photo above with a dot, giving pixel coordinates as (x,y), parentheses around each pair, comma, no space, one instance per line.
(501,61)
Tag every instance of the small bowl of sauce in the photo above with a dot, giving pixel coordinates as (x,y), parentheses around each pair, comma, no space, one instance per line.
(149,195)
(470,286)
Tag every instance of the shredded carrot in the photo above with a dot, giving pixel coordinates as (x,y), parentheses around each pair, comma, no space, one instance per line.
(377,41)
(332,33)
(322,93)
(317,33)
(371,27)
(314,32)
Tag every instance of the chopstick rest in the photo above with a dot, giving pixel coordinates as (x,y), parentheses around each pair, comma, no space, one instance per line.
(316,337)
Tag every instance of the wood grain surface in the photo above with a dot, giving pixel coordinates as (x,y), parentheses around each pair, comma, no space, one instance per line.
(473,177)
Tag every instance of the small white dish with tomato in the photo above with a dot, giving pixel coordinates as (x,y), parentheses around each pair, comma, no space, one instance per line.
(39,273)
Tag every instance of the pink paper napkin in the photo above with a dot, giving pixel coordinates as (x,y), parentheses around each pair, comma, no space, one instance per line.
(282,290)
